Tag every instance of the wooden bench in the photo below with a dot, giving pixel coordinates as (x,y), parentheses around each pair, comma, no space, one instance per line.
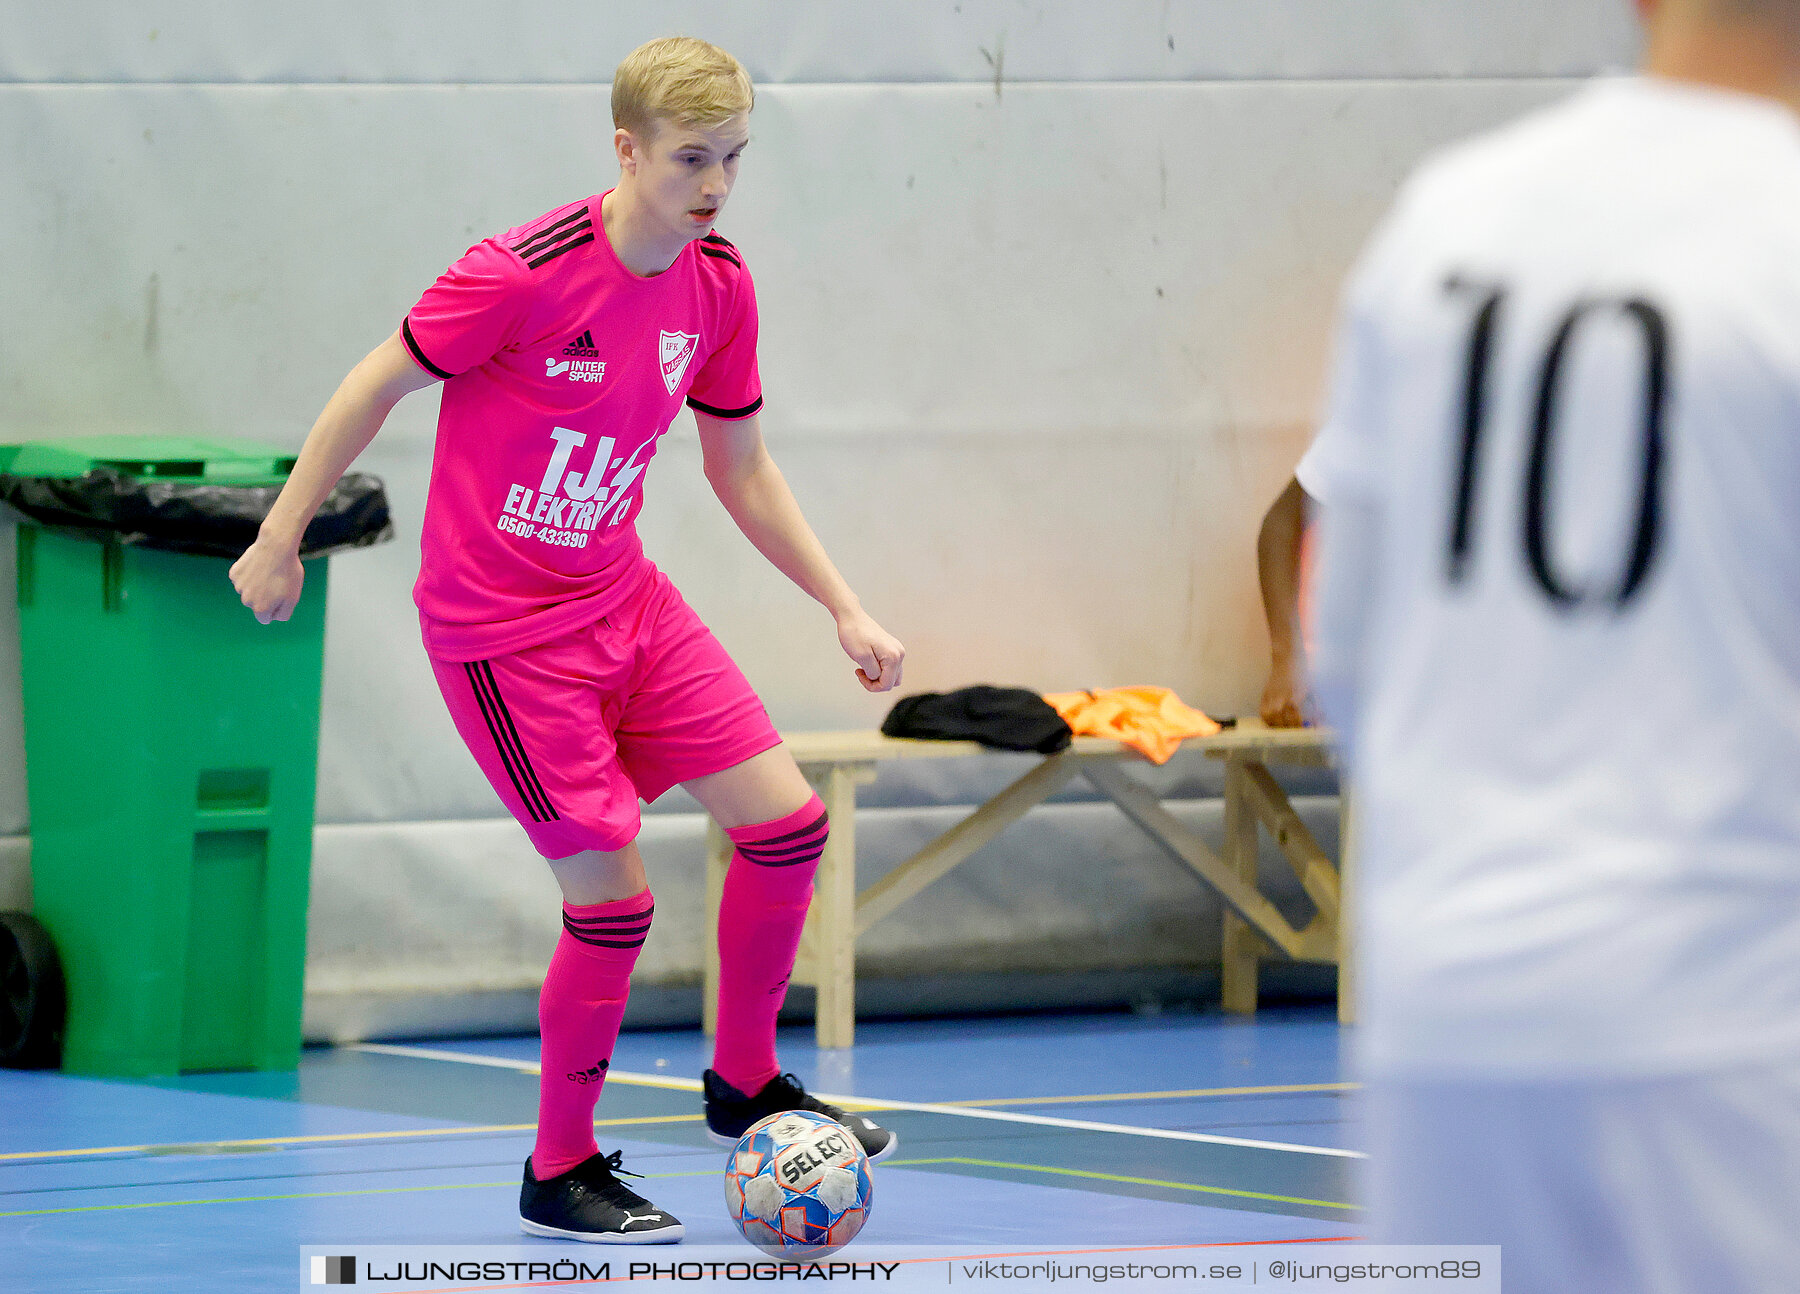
(836,763)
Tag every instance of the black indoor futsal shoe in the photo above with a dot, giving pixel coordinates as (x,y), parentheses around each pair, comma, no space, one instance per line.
(729,1112)
(589,1203)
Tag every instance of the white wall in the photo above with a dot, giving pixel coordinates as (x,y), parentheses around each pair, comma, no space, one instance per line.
(812,41)
(1046,291)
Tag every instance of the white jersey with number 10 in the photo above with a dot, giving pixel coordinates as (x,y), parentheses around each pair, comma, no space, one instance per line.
(1567,396)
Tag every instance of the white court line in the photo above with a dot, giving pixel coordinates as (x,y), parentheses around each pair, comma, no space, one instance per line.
(432,1053)
(877,1103)
(1043,1120)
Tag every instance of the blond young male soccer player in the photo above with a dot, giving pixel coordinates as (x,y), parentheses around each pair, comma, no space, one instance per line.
(1559,624)
(575,672)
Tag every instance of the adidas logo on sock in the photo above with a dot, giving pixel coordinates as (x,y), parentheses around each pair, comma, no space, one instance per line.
(583,347)
(592,1074)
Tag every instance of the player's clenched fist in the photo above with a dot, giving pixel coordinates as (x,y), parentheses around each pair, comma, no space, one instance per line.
(1283,702)
(268,580)
(877,653)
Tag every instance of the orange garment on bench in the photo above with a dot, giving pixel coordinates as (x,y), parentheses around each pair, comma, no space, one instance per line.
(1152,720)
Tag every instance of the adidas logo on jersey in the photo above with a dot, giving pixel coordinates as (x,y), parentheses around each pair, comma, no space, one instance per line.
(582,347)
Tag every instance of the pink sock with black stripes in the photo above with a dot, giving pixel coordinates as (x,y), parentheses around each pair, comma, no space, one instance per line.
(578,1015)
(767,890)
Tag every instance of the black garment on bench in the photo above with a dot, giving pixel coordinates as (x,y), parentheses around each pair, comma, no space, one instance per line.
(1006,718)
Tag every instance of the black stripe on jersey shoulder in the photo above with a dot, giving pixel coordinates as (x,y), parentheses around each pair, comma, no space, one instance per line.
(718,248)
(550,233)
(745,412)
(531,251)
(546,257)
(418,353)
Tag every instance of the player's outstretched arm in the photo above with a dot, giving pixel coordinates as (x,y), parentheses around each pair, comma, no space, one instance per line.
(269,575)
(756,495)
(1278,572)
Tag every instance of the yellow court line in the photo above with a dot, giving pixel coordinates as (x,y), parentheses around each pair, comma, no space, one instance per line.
(898,1163)
(1134,1181)
(314,1138)
(306,1195)
(250,1199)
(1161,1096)
(654,1080)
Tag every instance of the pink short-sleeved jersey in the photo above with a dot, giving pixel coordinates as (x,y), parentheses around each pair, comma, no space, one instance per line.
(562,369)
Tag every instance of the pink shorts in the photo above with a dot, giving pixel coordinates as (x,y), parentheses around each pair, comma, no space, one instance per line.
(574,731)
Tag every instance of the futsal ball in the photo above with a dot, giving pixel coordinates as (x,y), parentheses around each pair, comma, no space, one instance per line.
(798,1185)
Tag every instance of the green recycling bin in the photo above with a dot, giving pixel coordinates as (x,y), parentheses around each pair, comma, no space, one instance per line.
(171,745)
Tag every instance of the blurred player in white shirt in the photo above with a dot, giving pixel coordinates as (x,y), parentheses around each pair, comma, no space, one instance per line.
(1559,623)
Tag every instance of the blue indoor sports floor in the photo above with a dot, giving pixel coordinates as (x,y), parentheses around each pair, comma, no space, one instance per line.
(1192,1129)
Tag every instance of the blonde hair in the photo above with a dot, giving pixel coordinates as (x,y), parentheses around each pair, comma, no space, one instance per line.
(678,79)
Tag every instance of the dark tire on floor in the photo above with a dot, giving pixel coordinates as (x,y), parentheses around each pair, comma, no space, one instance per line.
(32,1000)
